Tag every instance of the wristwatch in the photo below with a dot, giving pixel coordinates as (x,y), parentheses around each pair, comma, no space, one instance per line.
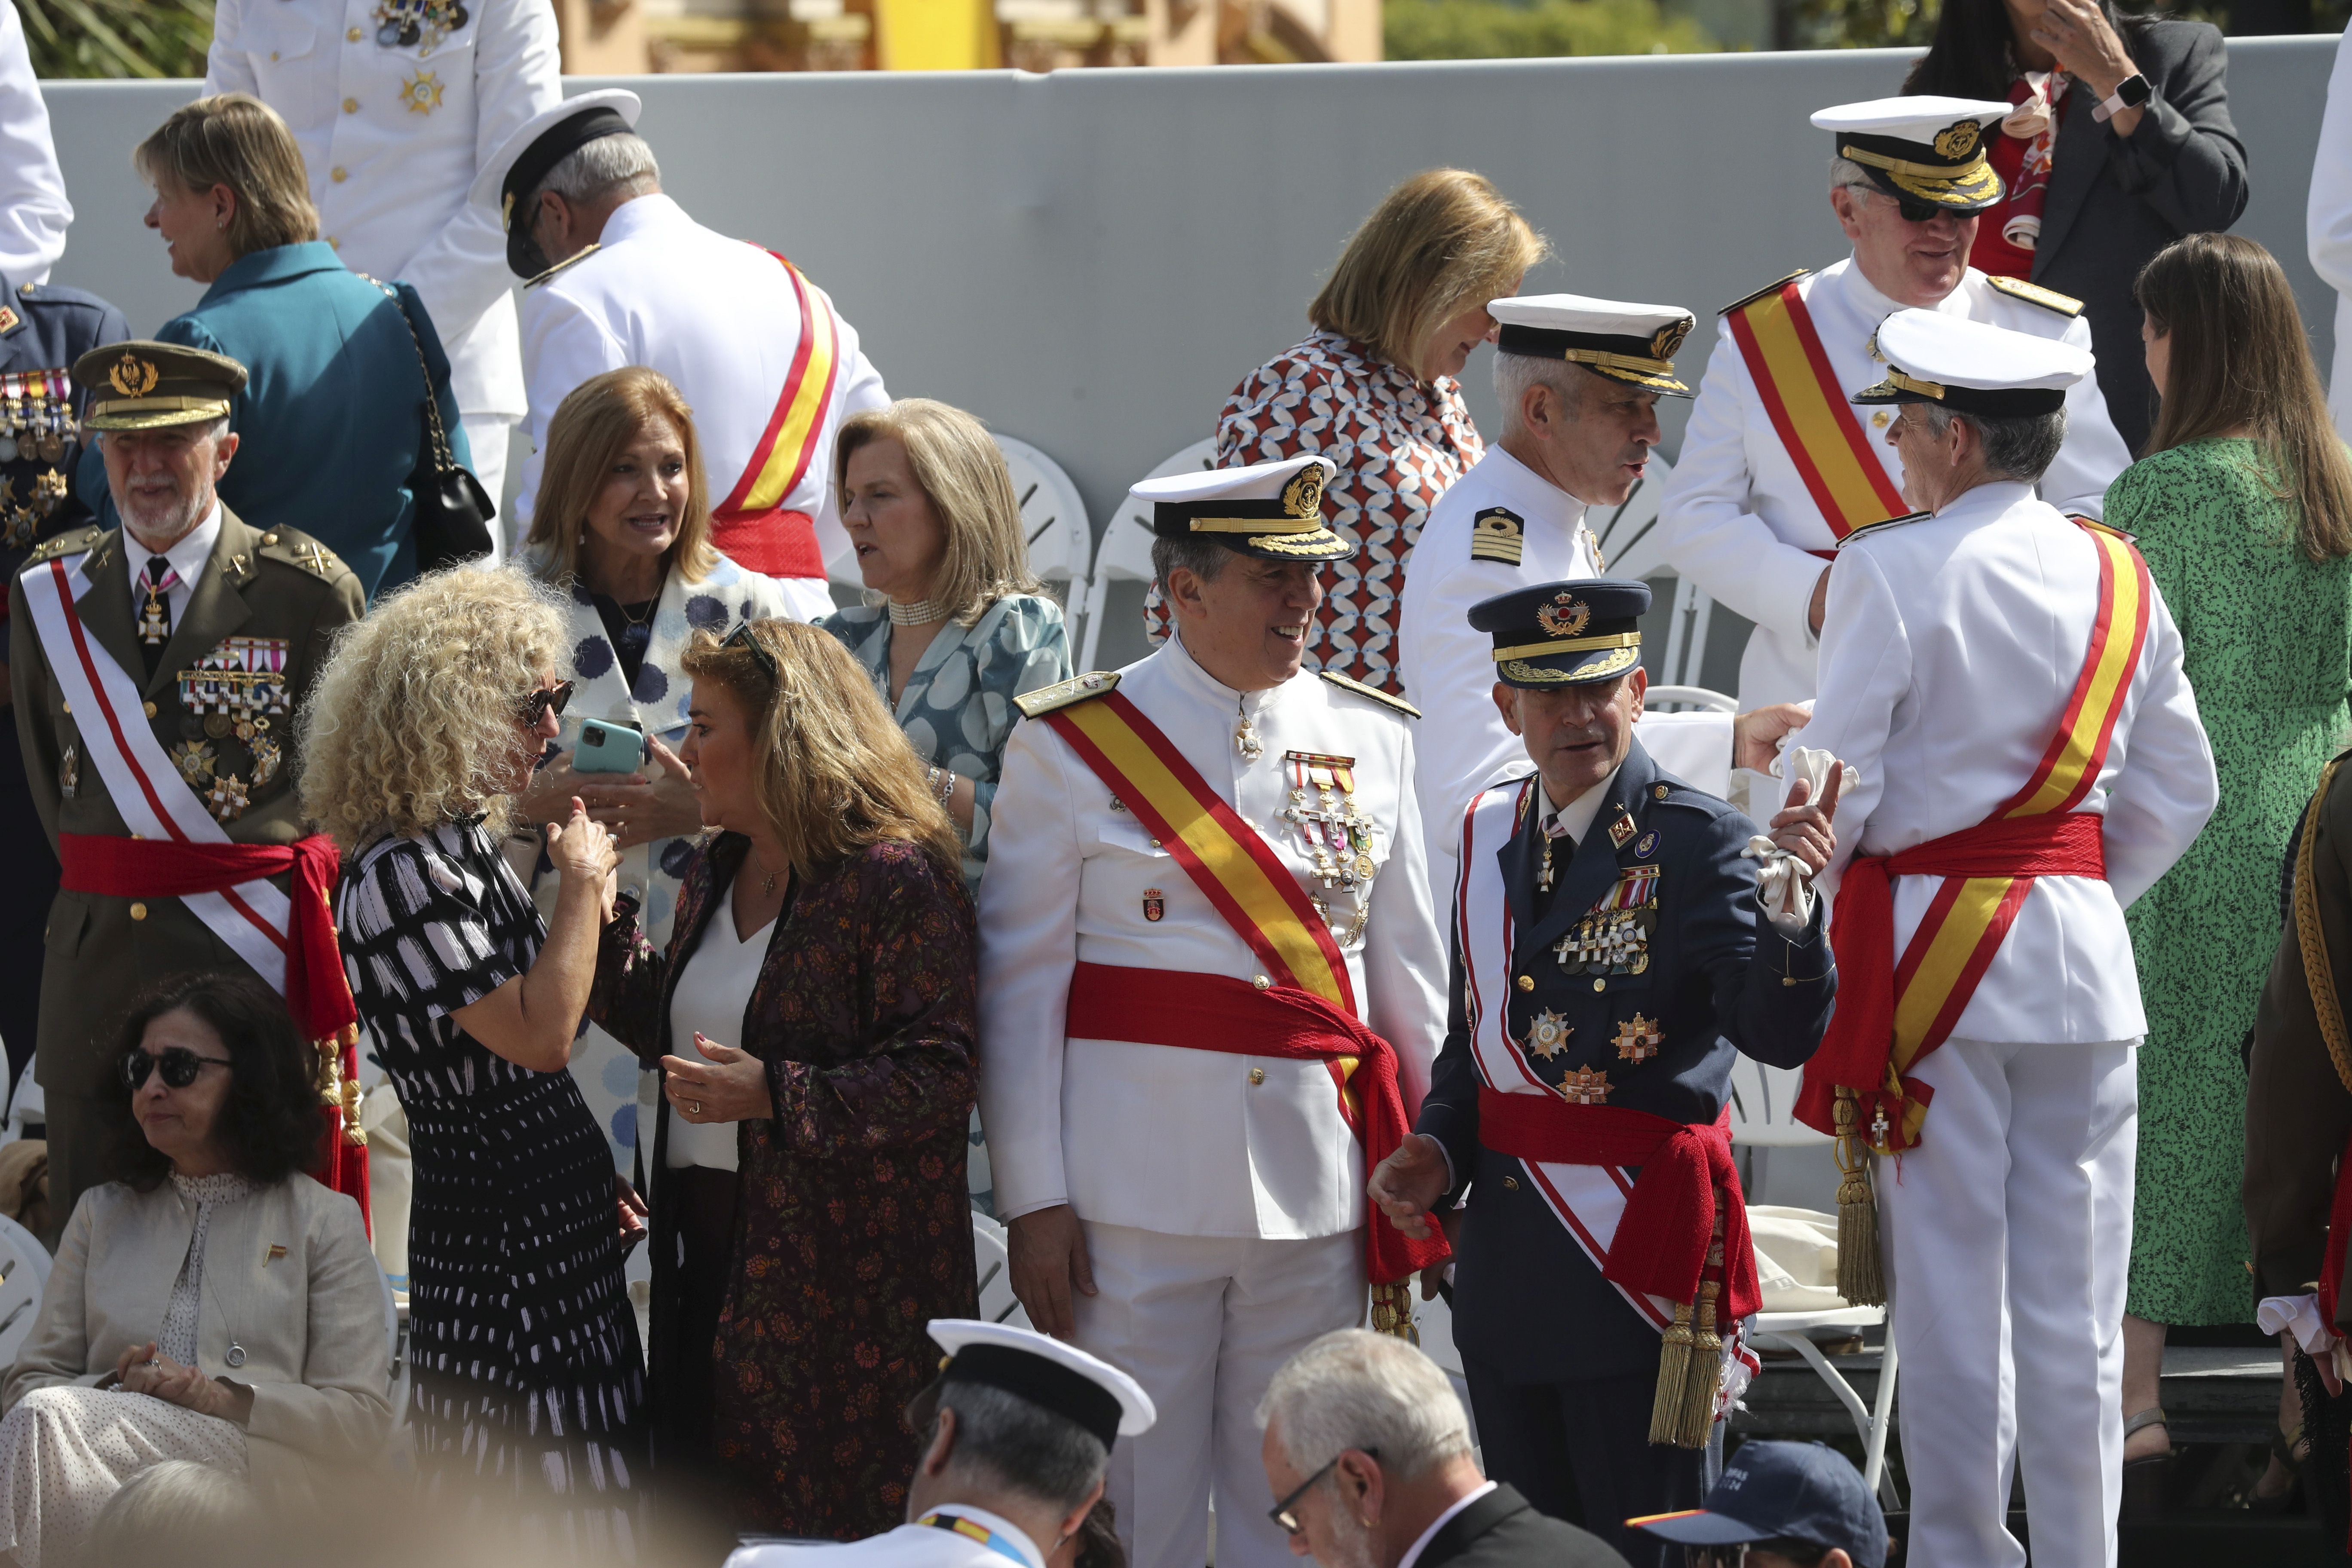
(2130,93)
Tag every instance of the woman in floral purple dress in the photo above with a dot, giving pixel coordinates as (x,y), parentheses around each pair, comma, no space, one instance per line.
(813,1016)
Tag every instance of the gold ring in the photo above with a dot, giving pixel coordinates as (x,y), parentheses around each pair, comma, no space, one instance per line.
(695,1106)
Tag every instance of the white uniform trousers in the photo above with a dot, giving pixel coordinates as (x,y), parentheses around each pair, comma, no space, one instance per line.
(2007,1235)
(1203,1322)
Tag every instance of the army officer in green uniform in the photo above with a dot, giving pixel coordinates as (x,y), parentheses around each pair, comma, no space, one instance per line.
(213,629)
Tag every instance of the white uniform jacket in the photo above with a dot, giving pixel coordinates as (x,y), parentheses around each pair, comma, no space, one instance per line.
(1160,1138)
(2328,226)
(995,1541)
(717,316)
(1948,653)
(1448,668)
(391,138)
(1737,518)
(34,212)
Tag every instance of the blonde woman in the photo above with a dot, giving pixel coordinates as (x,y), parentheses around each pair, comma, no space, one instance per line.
(425,725)
(332,419)
(1375,389)
(622,527)
(959,627)
(813,1013)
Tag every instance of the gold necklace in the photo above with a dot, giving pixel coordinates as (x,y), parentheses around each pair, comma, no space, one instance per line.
(767,878)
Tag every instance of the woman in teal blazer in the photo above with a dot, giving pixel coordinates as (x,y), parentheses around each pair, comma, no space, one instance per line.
(332,425)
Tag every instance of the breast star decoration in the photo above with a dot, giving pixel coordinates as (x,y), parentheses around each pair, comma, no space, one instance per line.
(1638,1039)
(1548,1036)
(421,92)
(1585,1086)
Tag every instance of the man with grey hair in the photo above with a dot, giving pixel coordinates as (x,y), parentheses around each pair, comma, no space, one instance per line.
(1776,468)
(619,275)
(1367,1454)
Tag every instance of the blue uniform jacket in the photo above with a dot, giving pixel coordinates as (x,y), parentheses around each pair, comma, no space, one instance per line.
(1527,1304)
(333,421)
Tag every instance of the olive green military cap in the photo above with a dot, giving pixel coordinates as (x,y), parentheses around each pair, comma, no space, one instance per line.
(144,385)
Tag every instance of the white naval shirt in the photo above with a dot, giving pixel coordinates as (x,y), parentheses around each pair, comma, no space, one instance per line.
(1160,1138)
(1448,666)
(1948,653)
(34,212)
(391,138)
(909,1546)
(1736,516)
(717,316)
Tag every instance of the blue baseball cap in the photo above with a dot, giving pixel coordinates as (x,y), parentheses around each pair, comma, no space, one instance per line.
(1784,1491)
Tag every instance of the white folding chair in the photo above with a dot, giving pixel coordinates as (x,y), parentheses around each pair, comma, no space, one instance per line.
(1666,697)
(993,1260)
(1125,552)
(395,1324)
(25,1108)
(1052,519)
(1628,532)
(24,1276)
(1688,617)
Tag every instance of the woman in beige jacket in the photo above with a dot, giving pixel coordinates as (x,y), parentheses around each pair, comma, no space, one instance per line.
(213,1303)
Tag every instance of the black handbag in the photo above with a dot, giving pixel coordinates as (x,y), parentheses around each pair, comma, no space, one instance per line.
(453,511)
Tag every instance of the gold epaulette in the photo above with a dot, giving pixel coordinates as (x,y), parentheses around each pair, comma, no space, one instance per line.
(296,548)
(1884,523)
(1063,693)
(567,261)
(1374,692)
(1774,287)
(1497,533)
(2035,294)
(67,543)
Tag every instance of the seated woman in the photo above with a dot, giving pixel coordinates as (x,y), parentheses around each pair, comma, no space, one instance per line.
(213,1302)
(814,1015)
(961,627)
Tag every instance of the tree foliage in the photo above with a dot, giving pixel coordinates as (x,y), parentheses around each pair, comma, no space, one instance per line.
(1501,30)
(153,39)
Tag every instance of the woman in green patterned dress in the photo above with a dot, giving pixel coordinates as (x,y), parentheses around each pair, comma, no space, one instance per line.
(2244,509)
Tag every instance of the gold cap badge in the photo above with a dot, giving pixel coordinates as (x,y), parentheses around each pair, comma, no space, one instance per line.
(133,376)
(1303,496)
(1956,142)
(1565,616)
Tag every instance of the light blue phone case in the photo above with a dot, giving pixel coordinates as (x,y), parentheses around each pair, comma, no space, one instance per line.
(607,748)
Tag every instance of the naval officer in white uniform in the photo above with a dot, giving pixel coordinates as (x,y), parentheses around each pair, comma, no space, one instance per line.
(1957,646)
(620,276)
(394,118)
(1017,1432)
(34,212)
(1579,382)
(1183,1189)
(1743,515)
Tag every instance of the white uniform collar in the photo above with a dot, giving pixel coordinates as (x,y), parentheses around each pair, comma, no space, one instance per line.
(188,558)
(1412,1554)
(1988,499)
(1198,682)
(1576,816)
(640,214)
(997,1524)
(1534,491)
(1875,307)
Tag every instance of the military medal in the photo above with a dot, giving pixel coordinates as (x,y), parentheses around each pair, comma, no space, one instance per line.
(69,771)
(154,615)
(403,24)
(421,91)
(1621,829)
(1638,1039)
(1614,936)
(1155,905)
(1549,1035)
(238,689)
(1245,741)
(1585,1086)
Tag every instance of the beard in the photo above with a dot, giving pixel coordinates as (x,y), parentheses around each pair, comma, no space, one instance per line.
(1352,1543)
(159,521)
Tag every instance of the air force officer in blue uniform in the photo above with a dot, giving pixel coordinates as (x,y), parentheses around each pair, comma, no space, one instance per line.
(1611,951)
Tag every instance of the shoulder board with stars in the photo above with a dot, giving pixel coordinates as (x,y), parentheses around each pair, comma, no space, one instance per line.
(1497,533)
(1883,524)
(1774,287)
(2097,527)
(567,261)
(296,548)
(2035,294)
(1374,692)
(71,542)
(1061,694)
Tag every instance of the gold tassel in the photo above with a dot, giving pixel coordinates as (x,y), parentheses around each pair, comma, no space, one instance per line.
(1696,1419)
(1673,1370)
(1392,1311)
(1860,1278)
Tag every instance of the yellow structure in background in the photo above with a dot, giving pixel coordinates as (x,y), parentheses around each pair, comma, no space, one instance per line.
(935,35)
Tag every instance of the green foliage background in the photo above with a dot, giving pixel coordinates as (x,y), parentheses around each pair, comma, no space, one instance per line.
(153,39)
(1505,29)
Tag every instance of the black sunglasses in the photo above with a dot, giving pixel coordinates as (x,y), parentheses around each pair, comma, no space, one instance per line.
(178,1065)
(1280,1512)
(1913,210)
(741,637)
(543,701)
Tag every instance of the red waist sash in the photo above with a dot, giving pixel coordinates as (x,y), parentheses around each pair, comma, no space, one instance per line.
(772,541)
(1661,1240)
(1217,1012)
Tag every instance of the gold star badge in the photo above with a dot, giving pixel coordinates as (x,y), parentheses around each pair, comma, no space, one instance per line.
(1638,1039)
(1585,1086)
(1549,1035)
(421,92)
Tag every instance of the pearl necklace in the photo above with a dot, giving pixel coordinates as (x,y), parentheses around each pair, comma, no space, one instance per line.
(915,612)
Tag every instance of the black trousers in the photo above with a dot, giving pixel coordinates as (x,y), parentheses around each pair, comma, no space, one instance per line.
(1581,1452)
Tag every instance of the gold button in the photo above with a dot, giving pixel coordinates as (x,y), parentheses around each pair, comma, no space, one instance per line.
(269,539)
(149,707)
(1600,985)
(1511,1183)
(351,105)
(1879,418)
(353,35)
(339,174)
(1526,982)
(1660,791)
(1257,1075)
(66,706)
(138,911)
(1155,844)
(1263,984)
(273,55)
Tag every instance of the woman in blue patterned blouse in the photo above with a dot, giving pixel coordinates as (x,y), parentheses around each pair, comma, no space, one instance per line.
(958,626)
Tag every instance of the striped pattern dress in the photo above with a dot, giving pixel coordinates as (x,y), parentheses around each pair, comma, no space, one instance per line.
(529,1381)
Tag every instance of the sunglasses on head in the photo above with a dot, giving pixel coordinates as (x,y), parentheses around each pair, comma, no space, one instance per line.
(741,637)
(545,700)
(178,1065)
(1281,1513)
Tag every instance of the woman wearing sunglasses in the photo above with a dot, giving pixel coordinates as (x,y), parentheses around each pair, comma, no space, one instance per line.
(211,1302)
(427,721)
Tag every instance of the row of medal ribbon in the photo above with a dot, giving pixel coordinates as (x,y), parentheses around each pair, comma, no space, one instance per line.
(36,414)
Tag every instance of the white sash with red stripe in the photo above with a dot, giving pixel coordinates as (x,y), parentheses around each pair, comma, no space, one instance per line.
(154,800)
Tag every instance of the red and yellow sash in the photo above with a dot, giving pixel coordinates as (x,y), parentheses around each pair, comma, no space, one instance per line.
(1809,412)
(1892,1014)
(796,430)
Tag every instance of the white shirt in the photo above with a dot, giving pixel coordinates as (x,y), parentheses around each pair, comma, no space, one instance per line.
(391,138)
(1736,517)
(1412,1554)
(34,212)
(712,994)
(1190,1143)
(2328,224)
(909,1546)
(1949,650)
(188,559)
(717,316)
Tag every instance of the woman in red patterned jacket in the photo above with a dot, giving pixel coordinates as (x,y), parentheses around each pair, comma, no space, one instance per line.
(1373,389)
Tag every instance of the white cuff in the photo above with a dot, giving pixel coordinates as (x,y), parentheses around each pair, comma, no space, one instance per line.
(2300,1314)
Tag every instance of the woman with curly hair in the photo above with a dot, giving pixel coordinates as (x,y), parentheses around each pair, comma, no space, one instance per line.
(812,1014)
(428,718)
(211,1303)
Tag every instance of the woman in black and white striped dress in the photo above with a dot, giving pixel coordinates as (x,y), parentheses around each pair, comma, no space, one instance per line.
(528,1378)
